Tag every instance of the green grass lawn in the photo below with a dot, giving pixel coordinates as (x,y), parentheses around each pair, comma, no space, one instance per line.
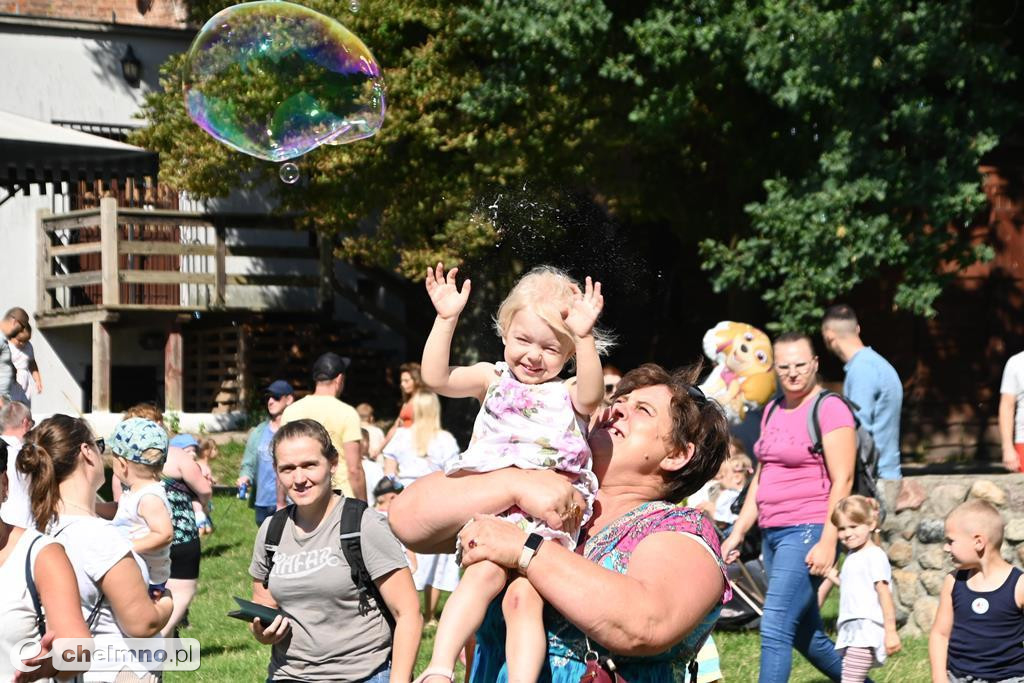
(229,653)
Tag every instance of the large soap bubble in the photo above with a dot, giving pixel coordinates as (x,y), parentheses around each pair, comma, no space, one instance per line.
(275,80)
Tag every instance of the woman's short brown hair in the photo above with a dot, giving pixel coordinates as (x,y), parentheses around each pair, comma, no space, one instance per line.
(695,419)
(309,428)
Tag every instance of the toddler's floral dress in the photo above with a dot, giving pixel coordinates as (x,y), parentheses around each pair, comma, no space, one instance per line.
(530,426)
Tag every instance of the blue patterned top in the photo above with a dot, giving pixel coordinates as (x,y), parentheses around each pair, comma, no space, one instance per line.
(611,548)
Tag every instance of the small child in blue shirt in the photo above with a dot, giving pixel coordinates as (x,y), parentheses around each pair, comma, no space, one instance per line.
(979,626)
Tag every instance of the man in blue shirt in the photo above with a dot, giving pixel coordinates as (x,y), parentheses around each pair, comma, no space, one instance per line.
(871,382)
(258,462)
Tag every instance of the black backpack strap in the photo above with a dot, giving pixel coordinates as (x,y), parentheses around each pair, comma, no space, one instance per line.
(273,538)
(33,591)
(771,409)
(814,422)
(351,547)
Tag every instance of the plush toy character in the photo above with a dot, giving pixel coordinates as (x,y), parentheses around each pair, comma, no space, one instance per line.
(742,378)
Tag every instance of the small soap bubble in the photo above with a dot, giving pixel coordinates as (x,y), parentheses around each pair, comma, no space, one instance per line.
(275,80)
(289,173)
(353,5)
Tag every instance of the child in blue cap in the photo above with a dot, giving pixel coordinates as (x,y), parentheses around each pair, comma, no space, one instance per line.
(143,512)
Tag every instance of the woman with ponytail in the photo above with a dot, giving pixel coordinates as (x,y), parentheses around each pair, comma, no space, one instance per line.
(64,462)
(54,580)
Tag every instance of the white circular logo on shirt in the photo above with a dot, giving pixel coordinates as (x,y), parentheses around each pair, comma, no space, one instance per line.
(980,606)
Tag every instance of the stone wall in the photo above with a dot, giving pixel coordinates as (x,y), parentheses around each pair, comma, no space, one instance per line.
(914,529)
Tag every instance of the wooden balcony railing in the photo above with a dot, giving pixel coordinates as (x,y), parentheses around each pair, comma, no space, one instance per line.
(124,258)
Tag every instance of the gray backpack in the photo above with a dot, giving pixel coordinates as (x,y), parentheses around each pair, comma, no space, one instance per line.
(865,472)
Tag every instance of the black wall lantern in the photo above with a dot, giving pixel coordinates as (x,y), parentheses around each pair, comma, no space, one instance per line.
(131,68)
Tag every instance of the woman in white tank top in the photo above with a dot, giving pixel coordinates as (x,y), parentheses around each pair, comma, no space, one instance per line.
(55,583)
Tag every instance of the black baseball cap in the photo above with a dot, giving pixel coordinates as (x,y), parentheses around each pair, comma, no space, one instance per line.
(329,366)
(387,485)
(279,388)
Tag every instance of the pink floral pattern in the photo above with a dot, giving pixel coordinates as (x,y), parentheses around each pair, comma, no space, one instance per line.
(531,426)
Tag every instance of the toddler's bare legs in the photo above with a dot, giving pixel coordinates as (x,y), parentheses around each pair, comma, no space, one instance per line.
(526,642)
(464,611)
(182,590)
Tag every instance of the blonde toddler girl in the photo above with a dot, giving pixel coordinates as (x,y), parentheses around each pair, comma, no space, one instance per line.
(529,418)
(867,616)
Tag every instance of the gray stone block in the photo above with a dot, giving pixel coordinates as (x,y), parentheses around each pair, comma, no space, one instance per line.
(932,581)
(900,553)
(1014,530)
(990,491)
(933,557)
(931,530)
(943,498)
(924,612)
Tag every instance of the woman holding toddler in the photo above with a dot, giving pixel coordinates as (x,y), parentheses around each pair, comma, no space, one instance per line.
(660,440)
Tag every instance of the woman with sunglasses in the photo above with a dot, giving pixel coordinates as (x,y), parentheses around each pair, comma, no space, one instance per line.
(64,463)
(791,497)
(645,585)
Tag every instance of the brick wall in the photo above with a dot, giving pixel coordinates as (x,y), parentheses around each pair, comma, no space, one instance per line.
(157,13)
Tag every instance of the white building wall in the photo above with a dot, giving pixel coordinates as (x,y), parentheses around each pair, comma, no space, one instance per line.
(71,71)
(53,71)
(52,75)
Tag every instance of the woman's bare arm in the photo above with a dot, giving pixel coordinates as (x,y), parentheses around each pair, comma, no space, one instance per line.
(652,609)
(58,591)
(403,601)
(192,475)
(840,447)
(428,514)
(138,615)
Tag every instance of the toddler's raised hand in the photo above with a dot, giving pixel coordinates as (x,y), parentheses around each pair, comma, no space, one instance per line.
(586,307)
(447,299)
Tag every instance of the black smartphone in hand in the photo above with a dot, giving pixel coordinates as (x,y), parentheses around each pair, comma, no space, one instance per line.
(248,610)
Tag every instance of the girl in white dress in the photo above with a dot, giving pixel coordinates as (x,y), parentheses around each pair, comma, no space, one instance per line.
(414,452)
(529,418)
(867,616)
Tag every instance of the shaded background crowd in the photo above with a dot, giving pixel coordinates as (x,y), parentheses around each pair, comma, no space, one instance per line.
(773,479)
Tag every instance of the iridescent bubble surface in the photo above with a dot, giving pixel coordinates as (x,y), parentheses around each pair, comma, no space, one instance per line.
(274,79)
(289,173)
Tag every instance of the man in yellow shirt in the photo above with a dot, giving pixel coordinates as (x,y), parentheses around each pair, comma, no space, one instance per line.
(339,419)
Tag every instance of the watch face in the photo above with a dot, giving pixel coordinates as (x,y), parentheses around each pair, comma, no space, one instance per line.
(533,541)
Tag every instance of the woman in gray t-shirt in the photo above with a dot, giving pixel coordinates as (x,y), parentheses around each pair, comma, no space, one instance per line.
(324,637)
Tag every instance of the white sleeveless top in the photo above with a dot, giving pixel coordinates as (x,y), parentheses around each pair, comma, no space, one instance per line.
(19,615)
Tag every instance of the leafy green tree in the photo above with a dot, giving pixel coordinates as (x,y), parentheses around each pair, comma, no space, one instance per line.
(892,106)
(806,147)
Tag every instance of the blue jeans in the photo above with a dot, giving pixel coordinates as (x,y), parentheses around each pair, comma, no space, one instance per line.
(262,512)
(791,617)
(382,675)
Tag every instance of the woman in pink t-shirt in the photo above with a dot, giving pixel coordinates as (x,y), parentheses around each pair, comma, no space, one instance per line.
(791,498)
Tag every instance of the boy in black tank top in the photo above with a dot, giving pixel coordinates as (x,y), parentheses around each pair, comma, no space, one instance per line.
(978,634)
